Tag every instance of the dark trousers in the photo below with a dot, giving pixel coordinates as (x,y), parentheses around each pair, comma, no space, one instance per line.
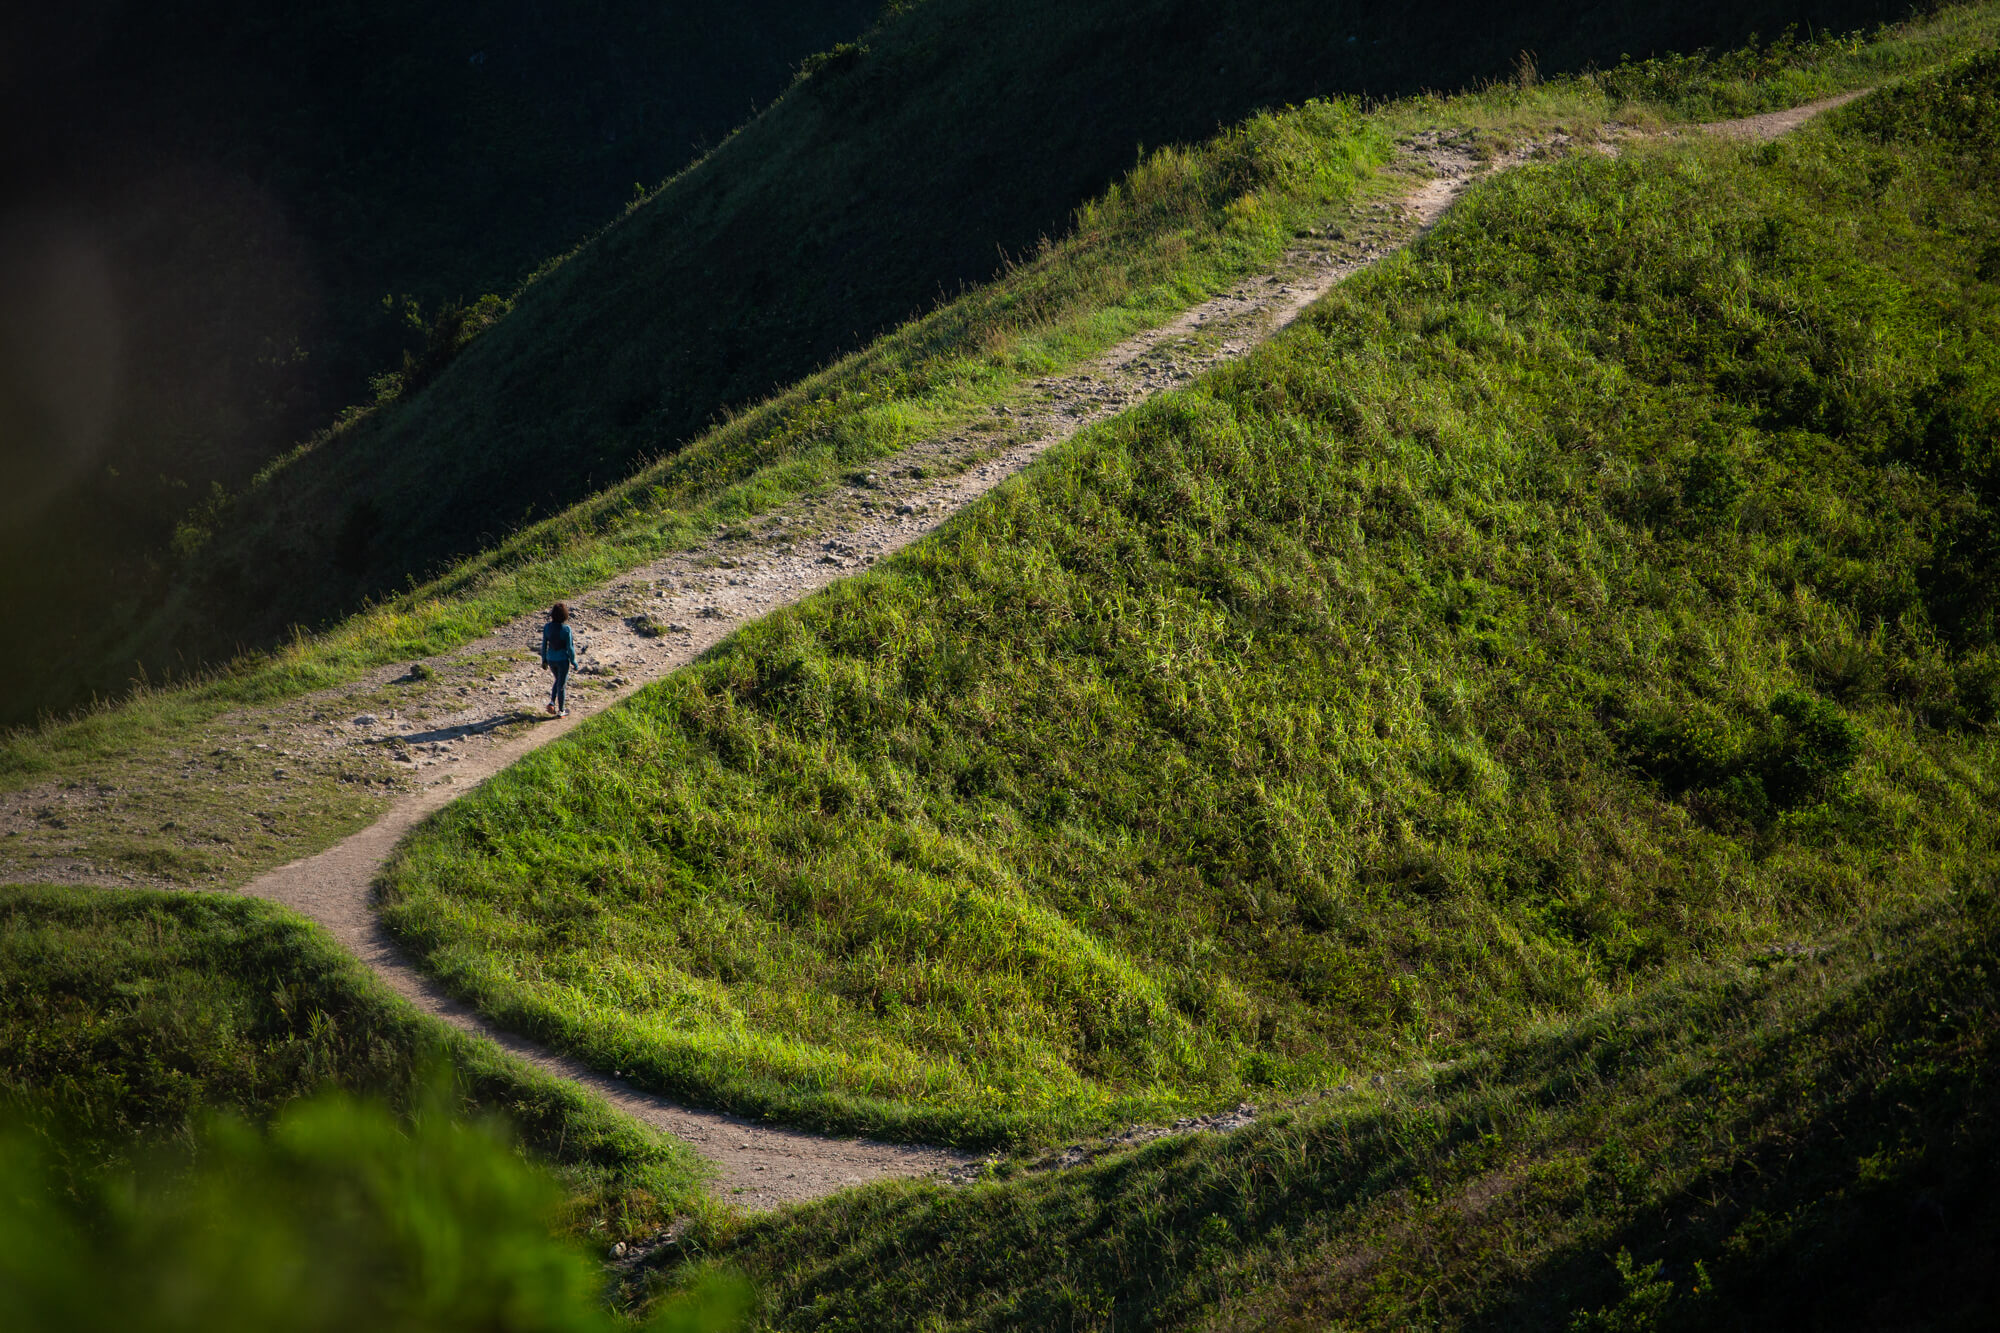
(557,693)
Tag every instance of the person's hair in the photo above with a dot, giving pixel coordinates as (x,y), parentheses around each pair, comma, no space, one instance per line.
(559,612)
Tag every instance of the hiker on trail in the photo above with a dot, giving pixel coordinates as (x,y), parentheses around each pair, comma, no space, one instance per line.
(558,656)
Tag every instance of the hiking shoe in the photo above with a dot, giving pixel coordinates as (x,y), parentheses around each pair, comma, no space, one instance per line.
(551,710)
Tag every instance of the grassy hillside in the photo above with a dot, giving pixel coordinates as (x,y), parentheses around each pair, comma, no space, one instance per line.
(1182,224)
(130,1018)
(1806,1142)
(217,197)
(901,168)
(1559,675)
(1602,589)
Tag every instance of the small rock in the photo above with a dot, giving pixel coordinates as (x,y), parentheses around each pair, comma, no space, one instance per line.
(618,1251)
(279,773)
(365,720)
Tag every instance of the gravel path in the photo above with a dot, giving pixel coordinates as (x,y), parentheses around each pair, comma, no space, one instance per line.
(1775,124)
(662,616)
(476,709)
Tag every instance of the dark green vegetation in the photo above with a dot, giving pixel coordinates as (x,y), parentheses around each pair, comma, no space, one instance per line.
(897,170)
(1602,589)
(206,202)
(1808,1141)
(339,1217)
(130,1018)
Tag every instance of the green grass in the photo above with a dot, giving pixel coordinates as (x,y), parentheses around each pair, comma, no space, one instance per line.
(1604,588)
(1161,239)
(131,1018)
(1560,675)
(1780,1142)
(954,133)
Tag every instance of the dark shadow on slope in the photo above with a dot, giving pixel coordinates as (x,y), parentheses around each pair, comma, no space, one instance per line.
(1872,1199)
(203,204)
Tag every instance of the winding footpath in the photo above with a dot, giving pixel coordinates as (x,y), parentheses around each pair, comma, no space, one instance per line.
(654,620)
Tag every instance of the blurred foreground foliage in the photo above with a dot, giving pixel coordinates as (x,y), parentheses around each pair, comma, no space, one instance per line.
(339,1216)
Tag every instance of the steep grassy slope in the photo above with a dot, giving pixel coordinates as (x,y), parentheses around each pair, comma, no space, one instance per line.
(1808,1142)
(1182,224)
(1605,588)
(204,204)
(174,760)
(129,1018)
(891,175)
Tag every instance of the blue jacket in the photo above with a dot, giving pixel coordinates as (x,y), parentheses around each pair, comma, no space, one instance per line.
(558,645)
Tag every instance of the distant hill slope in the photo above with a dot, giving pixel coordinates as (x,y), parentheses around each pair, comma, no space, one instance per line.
(961,131)
(204,202)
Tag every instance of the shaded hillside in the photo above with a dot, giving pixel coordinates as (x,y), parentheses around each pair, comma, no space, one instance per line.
(895,172)
(203,204)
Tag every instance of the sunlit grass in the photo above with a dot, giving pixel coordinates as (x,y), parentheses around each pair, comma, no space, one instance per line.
(1581,597)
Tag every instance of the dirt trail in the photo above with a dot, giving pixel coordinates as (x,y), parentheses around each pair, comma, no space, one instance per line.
(658,618)
(1775,124)
(476,713)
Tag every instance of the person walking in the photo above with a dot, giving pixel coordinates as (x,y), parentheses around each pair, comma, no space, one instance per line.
(558,656)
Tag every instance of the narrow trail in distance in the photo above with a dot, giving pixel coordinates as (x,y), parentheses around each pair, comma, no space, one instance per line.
(653,620)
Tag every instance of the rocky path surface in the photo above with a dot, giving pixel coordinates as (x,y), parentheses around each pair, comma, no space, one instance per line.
(474,711)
